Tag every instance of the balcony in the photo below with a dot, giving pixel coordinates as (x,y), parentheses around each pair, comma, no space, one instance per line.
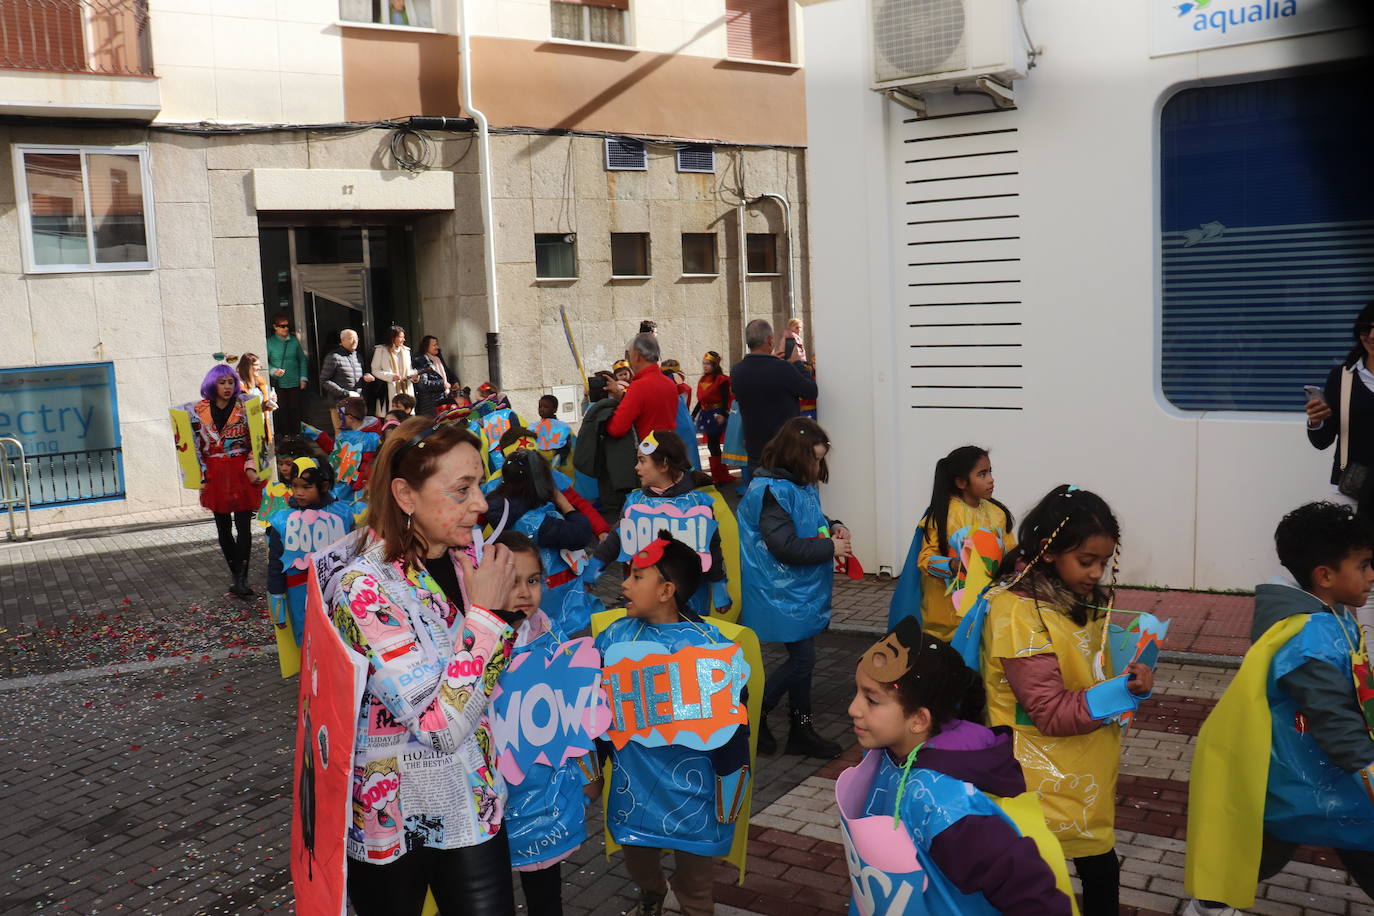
(77,58)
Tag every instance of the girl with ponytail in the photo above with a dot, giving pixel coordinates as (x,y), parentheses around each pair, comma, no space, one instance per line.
(1048,673)
(958,545)
(939,791)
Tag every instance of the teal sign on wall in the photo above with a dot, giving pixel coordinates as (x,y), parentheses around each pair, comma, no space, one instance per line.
(52,409)
(67,420)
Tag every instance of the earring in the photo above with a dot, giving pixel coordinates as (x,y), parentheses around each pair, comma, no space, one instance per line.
(407,521)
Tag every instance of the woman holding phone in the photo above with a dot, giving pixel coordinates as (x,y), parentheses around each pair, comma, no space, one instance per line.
(1343,413)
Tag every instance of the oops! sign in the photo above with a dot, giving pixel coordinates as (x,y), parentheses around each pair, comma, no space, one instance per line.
(693,526)
(689,698)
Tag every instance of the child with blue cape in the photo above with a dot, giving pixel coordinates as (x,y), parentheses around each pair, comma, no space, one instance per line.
(312,520)
(545,814)
(1285,757)
(669,496)
(939,801)
(788,550)
(958,546)
(671,796)
(531,504)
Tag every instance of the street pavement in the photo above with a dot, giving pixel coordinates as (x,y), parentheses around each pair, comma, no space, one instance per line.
(148,739)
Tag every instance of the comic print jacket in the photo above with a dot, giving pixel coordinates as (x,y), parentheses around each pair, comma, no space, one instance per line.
(423,769)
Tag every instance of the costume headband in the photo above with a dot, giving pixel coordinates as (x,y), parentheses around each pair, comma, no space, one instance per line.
(891,657)
(712,355)
(649,445)
(306,464)
(651,555)
(620,364)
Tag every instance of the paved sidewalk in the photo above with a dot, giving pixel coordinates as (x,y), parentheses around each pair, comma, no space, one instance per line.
(165,787)
(1200,623)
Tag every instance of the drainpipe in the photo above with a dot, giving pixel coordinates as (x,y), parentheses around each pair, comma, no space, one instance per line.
(484,179)
(787,227)
(743,280)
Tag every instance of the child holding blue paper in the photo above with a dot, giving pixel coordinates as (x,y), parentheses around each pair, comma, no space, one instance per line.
(1046,665)
(671,796)
(546,811)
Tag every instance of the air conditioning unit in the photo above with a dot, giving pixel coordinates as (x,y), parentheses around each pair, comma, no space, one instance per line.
(924,45)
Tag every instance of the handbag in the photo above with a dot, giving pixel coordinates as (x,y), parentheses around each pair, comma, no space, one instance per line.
(1353,474)
(733,451)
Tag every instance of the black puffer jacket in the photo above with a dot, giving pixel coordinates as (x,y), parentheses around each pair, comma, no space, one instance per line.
(341,374)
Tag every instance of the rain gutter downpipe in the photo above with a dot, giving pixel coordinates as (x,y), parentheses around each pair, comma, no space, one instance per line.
(484,180)
(787,227)
(743,278)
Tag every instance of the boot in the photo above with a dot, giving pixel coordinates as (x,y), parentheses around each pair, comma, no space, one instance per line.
(233,574)
(245,553)
(767,743)
(802,738)
(719,472)
(650,904)
(240,586)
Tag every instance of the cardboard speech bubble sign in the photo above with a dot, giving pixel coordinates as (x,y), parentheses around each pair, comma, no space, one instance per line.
(690,697)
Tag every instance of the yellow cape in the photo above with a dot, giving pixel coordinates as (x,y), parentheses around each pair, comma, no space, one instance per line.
(1229,780)
(745,638)
(1029,817)
(728,529)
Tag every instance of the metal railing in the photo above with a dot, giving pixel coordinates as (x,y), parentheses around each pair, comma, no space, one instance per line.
(74,477)
(76,36)
(14,485)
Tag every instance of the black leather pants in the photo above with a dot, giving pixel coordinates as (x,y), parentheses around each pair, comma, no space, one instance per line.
(472,881)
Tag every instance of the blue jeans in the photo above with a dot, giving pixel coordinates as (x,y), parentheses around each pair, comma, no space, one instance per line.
(792,677)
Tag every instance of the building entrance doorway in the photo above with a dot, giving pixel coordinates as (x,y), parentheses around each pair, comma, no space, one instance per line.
(331,278)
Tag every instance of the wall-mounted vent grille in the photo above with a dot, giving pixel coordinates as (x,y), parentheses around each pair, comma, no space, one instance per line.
(626,155)
(959,254)
(696,158)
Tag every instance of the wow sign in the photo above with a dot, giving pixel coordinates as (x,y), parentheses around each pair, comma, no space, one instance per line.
(548,712)
(693,526)
(689,698)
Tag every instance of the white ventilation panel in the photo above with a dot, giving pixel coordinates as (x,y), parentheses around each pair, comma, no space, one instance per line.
(696,158)
(920,45)
(626,155)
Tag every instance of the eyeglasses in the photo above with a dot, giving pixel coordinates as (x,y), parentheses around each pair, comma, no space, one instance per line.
(281,325)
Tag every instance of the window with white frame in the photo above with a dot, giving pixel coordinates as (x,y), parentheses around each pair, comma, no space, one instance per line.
(84,208)
(417,14)
(601,21)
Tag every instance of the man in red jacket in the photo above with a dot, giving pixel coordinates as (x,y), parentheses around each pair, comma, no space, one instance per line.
(649,404)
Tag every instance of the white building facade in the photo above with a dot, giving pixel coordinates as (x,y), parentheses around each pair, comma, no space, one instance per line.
(1122,282)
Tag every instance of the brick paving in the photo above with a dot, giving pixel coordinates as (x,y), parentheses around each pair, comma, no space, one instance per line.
(165,787)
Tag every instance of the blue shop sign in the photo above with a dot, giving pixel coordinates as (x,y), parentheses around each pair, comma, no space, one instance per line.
(67,419)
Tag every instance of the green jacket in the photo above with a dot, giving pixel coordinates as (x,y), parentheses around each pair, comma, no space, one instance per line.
(285,354)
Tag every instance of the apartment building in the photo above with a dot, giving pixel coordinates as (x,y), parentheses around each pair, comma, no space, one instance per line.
(181,171)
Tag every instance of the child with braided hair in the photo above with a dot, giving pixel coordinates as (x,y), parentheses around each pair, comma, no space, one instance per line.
(1046,668)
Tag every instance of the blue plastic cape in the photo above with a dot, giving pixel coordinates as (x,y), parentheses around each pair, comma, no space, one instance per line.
(782,602)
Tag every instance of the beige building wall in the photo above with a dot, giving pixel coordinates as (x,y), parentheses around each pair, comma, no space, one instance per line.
(264,61)
(559,184)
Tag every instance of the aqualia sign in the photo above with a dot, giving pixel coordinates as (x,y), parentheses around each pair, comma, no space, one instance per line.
(1194,25)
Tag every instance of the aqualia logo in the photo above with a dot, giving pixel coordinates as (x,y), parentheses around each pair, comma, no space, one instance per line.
(1206,18)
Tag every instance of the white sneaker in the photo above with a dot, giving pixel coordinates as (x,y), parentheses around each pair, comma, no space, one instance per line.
(1196,908)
